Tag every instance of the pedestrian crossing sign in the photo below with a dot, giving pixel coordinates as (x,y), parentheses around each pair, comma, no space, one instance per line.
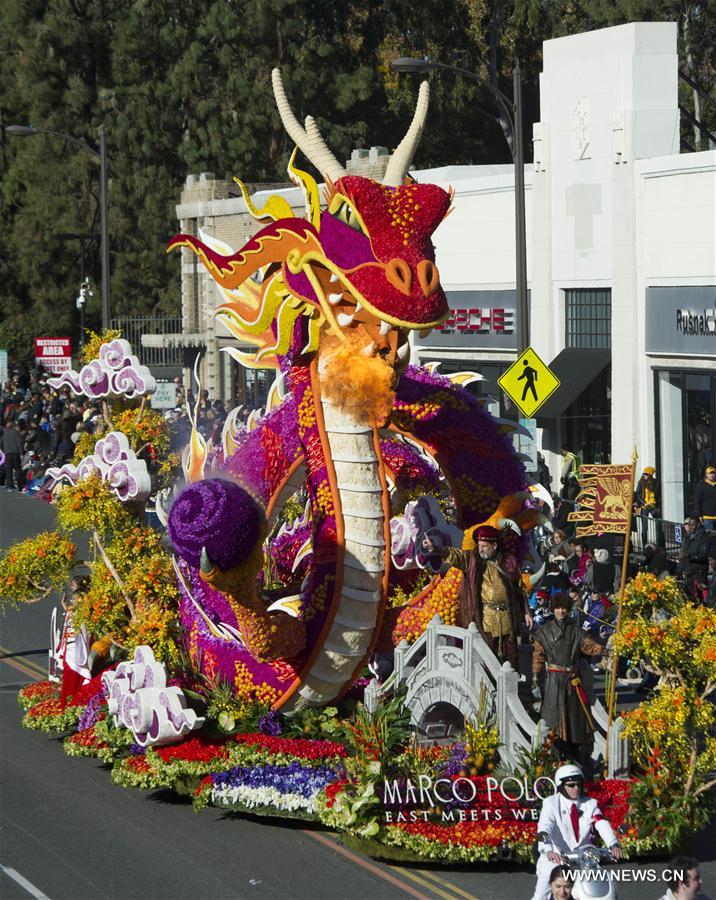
(529,382)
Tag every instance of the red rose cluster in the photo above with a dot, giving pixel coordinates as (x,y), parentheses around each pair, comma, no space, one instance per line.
(198,749)
(298,747)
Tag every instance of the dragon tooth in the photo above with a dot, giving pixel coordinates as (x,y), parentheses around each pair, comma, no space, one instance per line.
(334,298)
(384,328)
(334,277)
(403,351)
(359,306)
(344,320)
(369,349)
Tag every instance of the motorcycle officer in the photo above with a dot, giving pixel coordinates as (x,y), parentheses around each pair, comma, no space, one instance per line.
(566,823)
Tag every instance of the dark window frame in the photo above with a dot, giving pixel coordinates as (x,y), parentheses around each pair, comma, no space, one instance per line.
(588,318)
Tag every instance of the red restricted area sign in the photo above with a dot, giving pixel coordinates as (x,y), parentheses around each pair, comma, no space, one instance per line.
(53,353)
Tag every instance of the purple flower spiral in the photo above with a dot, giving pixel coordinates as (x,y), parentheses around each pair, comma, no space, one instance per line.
(218,515)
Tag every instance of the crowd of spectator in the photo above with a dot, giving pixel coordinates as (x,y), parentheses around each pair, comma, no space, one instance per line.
(40,426)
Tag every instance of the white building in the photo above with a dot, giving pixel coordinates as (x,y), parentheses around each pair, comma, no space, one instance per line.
(621,257)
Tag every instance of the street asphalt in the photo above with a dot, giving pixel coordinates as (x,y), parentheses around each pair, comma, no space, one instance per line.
(67,832)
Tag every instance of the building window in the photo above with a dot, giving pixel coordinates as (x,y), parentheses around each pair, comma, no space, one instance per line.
(589,317)
(686,436)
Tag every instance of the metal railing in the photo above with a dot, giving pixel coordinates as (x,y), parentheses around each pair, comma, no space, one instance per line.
(648,530)
(133,327)
(658,531)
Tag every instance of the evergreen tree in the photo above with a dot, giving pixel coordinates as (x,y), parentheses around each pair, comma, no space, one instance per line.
(185,87)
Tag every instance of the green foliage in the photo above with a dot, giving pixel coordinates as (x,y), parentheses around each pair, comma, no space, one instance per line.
(30,570)
(226,712)
(319,723)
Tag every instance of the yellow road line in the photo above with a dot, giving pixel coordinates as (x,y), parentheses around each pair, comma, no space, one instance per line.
(406,873)
(448,884)
(20,667)
(38,670)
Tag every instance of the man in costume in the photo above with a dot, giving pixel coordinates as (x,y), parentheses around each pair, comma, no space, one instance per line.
(567,822)
(566,707)
(492,597)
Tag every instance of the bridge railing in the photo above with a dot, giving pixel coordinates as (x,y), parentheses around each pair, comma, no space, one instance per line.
(453,666)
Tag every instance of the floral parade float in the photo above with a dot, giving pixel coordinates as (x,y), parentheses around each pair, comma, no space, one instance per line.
(226,656)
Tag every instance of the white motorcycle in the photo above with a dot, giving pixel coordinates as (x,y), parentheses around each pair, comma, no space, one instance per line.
(591,881)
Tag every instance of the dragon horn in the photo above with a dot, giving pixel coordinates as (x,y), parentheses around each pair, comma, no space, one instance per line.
(310,141)
(403,156)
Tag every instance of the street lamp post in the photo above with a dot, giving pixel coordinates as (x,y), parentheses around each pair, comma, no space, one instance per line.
(514,135)
(101,158)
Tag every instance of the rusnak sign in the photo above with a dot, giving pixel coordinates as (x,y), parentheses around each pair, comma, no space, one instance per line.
(479,320)
(681,320)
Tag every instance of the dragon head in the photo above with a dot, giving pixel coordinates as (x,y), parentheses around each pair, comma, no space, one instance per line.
(362,269)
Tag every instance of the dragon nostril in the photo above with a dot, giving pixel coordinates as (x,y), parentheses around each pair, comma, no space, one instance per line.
(428,276)
(400,275)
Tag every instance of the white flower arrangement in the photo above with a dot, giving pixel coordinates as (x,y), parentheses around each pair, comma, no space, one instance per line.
(252,797)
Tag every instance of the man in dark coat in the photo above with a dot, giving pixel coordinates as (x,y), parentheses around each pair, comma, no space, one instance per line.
(492,598)
(565,708)
(705,499)
(12,447)
(694,554)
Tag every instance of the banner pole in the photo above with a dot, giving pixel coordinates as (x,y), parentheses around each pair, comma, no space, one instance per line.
(611,706)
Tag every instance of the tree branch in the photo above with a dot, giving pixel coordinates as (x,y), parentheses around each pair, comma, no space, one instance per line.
(113,572)
(705,787)
(692,769)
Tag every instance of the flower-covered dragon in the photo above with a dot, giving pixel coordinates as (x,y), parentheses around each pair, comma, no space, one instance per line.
(329,301)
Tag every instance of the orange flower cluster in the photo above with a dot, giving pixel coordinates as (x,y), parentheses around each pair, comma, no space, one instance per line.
(306,411)
(324,498)
(442,600)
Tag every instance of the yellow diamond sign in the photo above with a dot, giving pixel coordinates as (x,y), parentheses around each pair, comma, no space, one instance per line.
(529,382)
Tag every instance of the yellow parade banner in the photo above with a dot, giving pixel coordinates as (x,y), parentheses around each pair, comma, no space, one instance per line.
(605,504)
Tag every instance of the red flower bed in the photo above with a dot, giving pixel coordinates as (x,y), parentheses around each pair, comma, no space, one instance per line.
(198,749)
(51,707)
(612,795)
(87,738)
(299,747)
(137,764)
(43,689)
(473,834)
(83,696)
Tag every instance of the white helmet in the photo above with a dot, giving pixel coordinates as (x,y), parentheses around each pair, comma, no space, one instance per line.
(570,772)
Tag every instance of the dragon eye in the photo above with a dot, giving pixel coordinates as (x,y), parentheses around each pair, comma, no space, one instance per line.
(345,213)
